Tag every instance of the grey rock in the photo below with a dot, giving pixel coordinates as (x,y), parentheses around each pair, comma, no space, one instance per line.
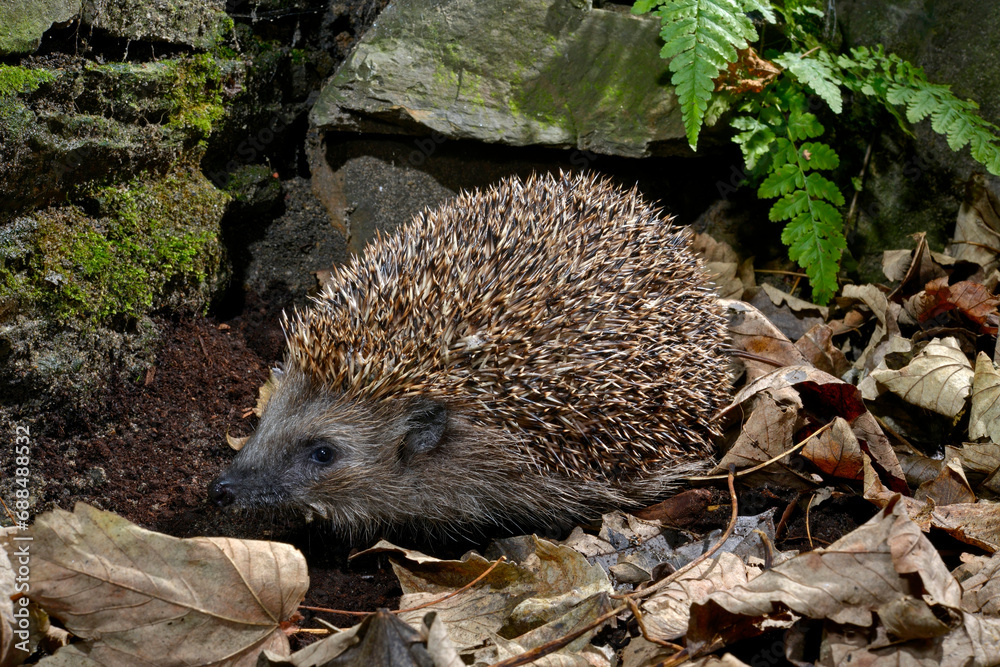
(200,24)
(525,72)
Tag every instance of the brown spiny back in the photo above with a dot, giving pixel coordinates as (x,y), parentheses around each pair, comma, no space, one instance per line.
(563,310)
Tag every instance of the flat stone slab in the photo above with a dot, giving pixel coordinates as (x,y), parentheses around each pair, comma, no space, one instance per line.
(23,22)
(520,72)
(200,24)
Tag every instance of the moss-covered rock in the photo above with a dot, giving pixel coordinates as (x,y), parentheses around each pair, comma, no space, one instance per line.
(78,282)
(73,122)
(23,22)
(200,24)
(552,73)
(119,253)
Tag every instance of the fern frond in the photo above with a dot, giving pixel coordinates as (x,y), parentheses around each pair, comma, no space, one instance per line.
(897,82)
(818,73)
(805,198)
(701,37)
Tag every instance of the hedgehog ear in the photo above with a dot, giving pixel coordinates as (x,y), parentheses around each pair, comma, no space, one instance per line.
(425,426)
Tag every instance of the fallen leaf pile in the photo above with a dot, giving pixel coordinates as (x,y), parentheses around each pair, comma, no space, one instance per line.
(888,397)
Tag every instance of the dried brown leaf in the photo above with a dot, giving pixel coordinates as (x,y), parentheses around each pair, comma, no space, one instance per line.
(380,639)
(666,614)
(984,419)
(836,451)
(949,487)
(831,396)
(681,510)
(972,300)
(548,582)
(884,568)
(768,432)
(816,345)
(138,596)
(722,265)
(980,585)
(791,315)
(887,315)
(754,334)
(939,378)
(977,228)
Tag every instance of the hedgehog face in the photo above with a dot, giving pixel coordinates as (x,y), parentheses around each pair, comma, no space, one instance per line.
(319,453)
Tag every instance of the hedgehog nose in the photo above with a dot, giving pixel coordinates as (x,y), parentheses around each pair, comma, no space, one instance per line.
(220,492)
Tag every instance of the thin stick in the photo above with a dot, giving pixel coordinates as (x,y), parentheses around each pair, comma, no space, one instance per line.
(642,627)
(550,647)
(444,597)
(779,272)
(646,592)
(809,532)
(765,463)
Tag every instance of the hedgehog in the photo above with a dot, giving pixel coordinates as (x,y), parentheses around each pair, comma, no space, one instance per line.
(532,354)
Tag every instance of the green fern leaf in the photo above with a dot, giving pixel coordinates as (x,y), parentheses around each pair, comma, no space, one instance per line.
(899,83)
(755,140)
(819,156)
(815,239)
(701,37)
(818,74)
(802,125)
(782,181)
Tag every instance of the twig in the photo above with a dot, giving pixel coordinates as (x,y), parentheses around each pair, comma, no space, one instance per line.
(797,274)
(444,597)
(765,463)
(809,532)
(861,180)
(646,592)
(550,647)
(642,626)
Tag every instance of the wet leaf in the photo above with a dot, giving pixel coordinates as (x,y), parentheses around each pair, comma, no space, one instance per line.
(137,596)
(939,378)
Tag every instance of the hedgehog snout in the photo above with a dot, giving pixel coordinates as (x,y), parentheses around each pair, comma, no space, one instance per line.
(220,491)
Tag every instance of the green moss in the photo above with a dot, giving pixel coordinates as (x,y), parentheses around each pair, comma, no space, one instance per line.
(15,79)
(197,95)
(155,242)
(298,56)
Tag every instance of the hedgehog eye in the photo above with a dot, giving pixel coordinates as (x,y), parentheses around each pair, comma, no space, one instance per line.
(322,453)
